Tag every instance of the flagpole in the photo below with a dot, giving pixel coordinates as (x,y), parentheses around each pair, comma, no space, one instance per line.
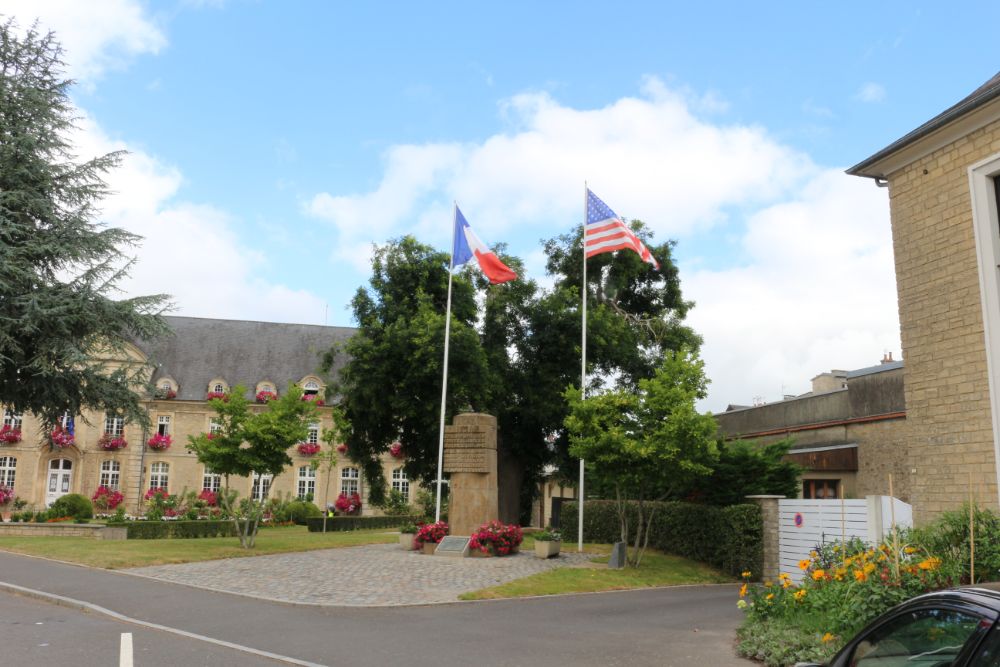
(583,362)
(444,379)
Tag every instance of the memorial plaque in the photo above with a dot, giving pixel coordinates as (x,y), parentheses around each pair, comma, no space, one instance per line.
(466,460)
(466,437)
(453,545)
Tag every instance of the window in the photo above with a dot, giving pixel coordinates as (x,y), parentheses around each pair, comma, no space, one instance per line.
(110,474)
(12,420)
(211,481)
(307,482)
(114,425)
(349,481)
(214,426)
(261,485)
(310,387)
(8,465)
(820,489)
(313,437)
(218,388)
(163,424)
(400,483)
(166,387)
(935,635)
(159,474)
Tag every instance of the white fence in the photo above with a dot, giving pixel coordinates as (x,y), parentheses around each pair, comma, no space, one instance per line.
(805,524)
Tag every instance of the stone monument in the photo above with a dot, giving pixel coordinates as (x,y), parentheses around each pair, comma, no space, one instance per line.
(470,455)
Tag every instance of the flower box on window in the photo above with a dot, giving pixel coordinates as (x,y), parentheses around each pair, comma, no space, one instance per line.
(61,438)
(165,394)
(342,448)
(396,450)
(314,398)
(265,396)
(6,494)
(221,395)
(308,448)
(10,436)
(112,442)
(160,442)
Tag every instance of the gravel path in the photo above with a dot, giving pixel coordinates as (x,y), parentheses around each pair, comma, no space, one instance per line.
(376,575)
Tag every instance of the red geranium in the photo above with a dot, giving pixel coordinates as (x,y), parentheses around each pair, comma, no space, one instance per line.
(265,396)
(217,394)
(314,398)
(396,449)
(160,442)
(10,435)
(6,494)
(157,492)
(342,448)
(497,538)
(112,442)
(107,499)
(308,448)
(348,504)
(431,533)
(61,438)
(209,497)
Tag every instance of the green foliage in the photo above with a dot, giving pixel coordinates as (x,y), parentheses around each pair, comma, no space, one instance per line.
(647,444)
(781,643)
(729,538)
(74,505)
(395,504)
(948,537)
(358,523)
(745,468)
(159,530)
(298,511)
(58,264)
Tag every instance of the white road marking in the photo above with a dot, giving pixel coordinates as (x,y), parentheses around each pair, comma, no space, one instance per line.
(126,650)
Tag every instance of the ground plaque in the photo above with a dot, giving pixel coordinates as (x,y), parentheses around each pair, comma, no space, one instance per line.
(470,456)
(453,545)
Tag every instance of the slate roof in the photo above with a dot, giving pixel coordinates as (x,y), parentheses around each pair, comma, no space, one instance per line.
(880,368)
(980,96)
(239,352)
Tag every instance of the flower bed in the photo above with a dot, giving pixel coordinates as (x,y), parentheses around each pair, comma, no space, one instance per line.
(431,533)
(106,499)
(308,448)
(61,438)
(112,442)
(10,436)
(496,538)
(265,396)
(160,442)
(209,497)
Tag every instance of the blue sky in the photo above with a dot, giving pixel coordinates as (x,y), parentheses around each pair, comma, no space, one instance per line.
(272,142)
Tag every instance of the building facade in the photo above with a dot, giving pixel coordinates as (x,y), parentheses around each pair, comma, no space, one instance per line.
(201,357)
(848,432)
(942,186)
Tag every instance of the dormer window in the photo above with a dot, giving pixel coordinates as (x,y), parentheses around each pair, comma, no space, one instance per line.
(166,388)
(219,388)
(311,388)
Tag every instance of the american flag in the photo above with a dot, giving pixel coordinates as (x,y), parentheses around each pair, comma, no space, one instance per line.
(605,232)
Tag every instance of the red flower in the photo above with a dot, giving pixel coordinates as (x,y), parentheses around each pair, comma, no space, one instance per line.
(112,442)
(224,397)
(61,438)
(396,449)
(496,537)
(265,396)
(348,504)
(308,448)
(156,492)
(342,448)
(10,435)
(431,533)
(314,398)
(107,499)
(160,442)
(209,497)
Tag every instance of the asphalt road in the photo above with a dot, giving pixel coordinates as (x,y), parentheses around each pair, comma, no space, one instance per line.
(664,627)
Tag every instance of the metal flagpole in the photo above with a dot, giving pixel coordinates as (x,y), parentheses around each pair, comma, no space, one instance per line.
(583,361)
(444,380)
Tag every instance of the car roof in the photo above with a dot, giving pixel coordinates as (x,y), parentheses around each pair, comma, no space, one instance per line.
(985,594)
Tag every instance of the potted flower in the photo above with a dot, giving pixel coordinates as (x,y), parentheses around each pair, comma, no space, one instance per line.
(342,448)
(221,395)
(265,395)
(430,534)
(496,539)
(6,494)
(348,504)
(308,448)
(314,398)
(396,450)
(106,499)
(112,442)
(10,435)
(160,442)
(547,543)
(407,533)
(61,438)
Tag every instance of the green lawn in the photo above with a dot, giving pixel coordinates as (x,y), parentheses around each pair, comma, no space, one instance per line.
(657,569)
(115,555)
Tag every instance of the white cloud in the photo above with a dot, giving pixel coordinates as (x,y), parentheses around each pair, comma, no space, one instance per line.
(191,251)
(814,290)
(96,35)
(871,92)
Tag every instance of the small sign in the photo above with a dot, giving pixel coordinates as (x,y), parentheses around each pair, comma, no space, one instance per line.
(799,521)
(453,545)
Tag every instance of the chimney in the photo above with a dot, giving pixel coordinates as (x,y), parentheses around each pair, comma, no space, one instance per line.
(887,358)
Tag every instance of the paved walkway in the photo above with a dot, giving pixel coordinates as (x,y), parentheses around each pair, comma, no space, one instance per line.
(376,575)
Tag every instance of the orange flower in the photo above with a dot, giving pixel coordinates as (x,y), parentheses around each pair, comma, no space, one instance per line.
(804,564)
(929,564)
(860,575)
(800,594)
(743,591)
(818,575)
(827,638)
(770,596)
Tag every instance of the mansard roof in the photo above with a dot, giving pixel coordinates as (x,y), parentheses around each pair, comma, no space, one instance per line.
(241,352)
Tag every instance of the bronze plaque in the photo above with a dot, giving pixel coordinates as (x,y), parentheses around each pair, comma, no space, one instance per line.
(465,460)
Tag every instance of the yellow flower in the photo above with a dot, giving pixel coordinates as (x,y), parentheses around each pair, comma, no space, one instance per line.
(840,573)
(804,564)
(800,594)
(909,550)
(746,575)
(929,564)
(768,584)
(813,554)
(743,591)
(783,576)
(787,583)
(818,575)
(869,568)
(827,638)
(770,596)
(741,604)
(860,575)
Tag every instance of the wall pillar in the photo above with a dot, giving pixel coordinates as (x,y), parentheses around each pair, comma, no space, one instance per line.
(771,565)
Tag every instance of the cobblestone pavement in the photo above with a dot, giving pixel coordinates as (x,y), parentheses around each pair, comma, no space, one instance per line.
(375,575)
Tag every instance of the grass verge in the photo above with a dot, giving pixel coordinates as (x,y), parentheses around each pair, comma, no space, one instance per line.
(657,569)
(114,555)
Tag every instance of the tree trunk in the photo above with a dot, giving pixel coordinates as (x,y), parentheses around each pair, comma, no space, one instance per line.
(510,478)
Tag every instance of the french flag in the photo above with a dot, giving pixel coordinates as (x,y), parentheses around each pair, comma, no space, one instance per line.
(468,245)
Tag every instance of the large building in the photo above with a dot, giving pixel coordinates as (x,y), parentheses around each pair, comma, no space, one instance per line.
(201,356)
(942,181)
(848,432)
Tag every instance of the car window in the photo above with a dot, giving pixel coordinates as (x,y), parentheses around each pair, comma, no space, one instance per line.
(927,637)
(989,655)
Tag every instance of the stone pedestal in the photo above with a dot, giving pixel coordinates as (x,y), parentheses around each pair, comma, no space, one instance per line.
(470,455)
(771,563)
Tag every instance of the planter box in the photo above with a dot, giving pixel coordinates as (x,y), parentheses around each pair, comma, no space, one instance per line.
(406,541)
(429,548)
(547,549)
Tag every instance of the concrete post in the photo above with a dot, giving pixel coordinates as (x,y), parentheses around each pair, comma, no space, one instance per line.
(769,539)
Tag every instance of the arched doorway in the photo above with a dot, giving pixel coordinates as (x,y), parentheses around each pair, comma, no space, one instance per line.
(59,481)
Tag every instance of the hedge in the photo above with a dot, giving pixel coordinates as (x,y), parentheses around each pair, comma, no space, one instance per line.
(359,522)
(158,530)
(729,538)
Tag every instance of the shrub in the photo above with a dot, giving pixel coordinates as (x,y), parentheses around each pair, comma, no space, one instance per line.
(408,528)
(73,505)
(395,504)
(337,523)
(158,530)
(948,538)
(548,535)
(299,511)
(106,499)
(729,538)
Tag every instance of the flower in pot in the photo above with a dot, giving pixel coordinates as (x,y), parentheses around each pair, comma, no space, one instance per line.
(111,442)
(547,543)
(6,494)
(308,448)
(160,442)
(496,538)
(10,435)
(396,450)
(61,438)
(265,395)
(407,535)
(430,534)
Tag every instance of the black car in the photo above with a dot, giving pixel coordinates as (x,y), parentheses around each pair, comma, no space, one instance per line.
(952,628)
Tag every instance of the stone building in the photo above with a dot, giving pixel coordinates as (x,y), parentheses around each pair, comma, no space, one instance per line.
(942,187)
(848,431)
(201,356)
